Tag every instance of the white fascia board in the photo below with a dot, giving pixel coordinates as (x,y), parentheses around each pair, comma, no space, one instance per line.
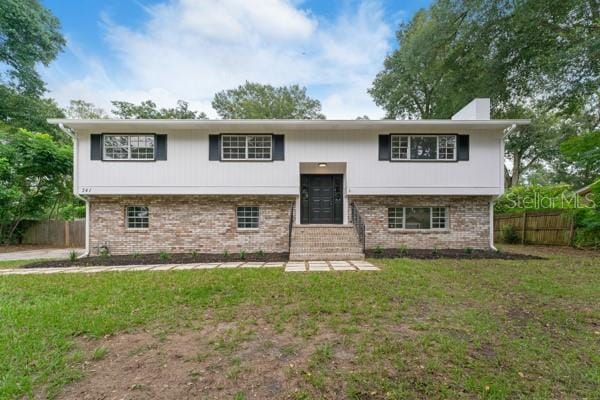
(416,191)
(114,125)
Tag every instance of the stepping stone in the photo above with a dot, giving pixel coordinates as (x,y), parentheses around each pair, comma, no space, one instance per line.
(141,267)
(295,268)
(343,267)
(252,265)
(340,264)
(230,265)
(274,265)
(367,268)
(319,268)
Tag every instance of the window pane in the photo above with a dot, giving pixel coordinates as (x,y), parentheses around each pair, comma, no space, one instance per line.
(234,147)
(395,215)
(423,147)
(447,146)
(137,217)
(399,147)
(259,147)
(439,217)
(247,217)
(116,147)
(417,217)
(142,147)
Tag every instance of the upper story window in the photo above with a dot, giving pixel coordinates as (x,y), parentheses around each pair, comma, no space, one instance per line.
(128,147)
(246,147)
(423,147)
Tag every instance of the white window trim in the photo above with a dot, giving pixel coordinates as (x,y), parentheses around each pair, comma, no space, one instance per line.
(409,137)
(257,218)
(247,138)
(127,217)
(431,228)
(107,158)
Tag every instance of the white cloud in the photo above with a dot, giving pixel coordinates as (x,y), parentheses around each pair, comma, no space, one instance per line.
(190,49)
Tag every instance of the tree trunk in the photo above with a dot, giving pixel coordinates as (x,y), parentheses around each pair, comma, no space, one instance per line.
(516,171)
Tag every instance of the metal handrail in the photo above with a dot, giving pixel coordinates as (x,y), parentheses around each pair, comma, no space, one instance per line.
(359,225)
(291,225)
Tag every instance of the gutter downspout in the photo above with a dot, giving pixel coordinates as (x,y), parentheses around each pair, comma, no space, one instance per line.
(69,132)
(507,132)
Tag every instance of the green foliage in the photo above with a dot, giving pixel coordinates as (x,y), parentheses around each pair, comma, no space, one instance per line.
(378,250)
(194,253)
(402,250)
(469,250)
(583,153)
(28,186)
(163,255)
(29,35)
(256,101)
(104,252)
(242,254)
(260,253)
(73,255)
(72,211)
(510,234)
(80,109)
(455,51)
(536,197)
(587,222)
(148,110)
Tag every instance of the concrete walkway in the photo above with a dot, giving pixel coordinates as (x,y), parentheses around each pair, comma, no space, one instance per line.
(39,254)
(308,266)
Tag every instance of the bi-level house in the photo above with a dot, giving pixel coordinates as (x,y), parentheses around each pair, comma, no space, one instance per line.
(314,188)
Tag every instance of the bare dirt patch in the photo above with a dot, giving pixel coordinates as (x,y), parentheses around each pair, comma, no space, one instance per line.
(458,254)
(220,361)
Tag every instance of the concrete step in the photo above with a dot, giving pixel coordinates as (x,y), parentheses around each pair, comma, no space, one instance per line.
(325,242)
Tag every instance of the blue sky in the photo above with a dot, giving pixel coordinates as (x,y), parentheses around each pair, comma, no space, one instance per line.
(167,50)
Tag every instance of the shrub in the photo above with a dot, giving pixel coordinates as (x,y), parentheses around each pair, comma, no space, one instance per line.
(73,256)
(378,250)
(103,251)
(226,254)
(509,234)
(163,255)
(135,254)
(469,250)
(242,254)
(402,250)
(435,252)
(194,254)
(260,253)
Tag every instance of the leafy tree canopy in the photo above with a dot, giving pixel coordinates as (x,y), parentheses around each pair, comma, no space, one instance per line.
(256,101)
(148,110)
(583,152)
(29,34)
(80,109)
(34,172)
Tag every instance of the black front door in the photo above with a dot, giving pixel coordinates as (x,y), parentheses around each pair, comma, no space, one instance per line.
(321,199)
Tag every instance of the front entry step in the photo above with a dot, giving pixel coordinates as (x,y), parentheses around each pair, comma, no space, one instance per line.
(325,242)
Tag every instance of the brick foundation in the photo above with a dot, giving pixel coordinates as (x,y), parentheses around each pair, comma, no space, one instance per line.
(469,222)
(206,224)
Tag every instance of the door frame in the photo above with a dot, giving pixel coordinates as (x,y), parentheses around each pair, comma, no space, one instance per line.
(338,205)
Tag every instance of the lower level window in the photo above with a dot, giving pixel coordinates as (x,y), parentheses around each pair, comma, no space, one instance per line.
(137,217)
(247,217)
(418,217)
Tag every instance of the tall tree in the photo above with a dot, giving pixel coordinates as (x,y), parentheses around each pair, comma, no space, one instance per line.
(81,109)
(29,34)
(257,101)
(148,110)
(457,50)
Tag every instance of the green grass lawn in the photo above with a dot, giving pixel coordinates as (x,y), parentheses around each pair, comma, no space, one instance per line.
(417,329)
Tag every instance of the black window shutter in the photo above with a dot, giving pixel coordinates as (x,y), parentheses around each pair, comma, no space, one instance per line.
(278,148)
(161,147)
(96,146)
(214,144)
(384,147)
(463,148)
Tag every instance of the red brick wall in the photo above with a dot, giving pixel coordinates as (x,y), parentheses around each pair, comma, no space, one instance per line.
(206,224)
(469,223)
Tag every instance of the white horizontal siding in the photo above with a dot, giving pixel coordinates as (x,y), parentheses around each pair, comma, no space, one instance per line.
(188,170)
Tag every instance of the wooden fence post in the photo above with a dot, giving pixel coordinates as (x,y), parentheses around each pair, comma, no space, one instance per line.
(524,229)
(67,235)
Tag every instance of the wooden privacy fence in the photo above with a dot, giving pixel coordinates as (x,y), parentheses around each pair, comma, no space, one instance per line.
(56,233)
(537,227)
